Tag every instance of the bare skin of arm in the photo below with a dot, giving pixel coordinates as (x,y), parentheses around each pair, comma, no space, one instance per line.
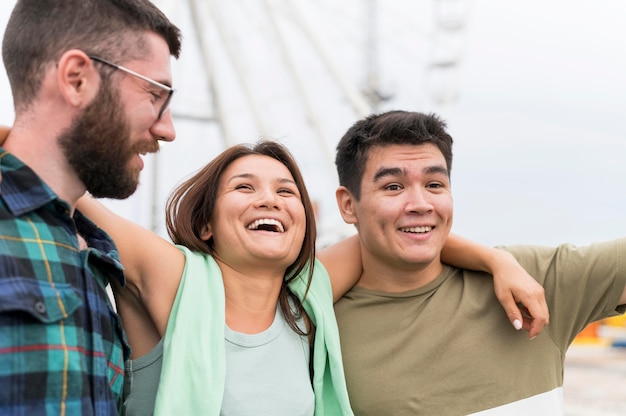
(145,303)
(512,283)
(342,261)
(153,268)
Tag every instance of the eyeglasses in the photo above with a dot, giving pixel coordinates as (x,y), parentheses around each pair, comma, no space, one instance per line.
(170,90)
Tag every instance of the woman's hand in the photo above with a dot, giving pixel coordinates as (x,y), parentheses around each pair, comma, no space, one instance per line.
(522,298)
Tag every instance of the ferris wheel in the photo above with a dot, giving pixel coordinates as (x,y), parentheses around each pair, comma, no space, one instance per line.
(302,72)
(325,58)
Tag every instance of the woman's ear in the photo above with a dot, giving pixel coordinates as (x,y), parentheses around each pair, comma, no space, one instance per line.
(206,233)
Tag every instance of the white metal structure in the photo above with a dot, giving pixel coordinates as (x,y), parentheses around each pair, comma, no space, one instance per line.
(297,71)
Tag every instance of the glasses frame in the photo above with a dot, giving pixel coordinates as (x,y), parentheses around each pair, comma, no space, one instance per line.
(170,90)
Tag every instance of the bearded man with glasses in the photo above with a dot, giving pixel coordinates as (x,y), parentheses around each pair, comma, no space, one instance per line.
(91,83)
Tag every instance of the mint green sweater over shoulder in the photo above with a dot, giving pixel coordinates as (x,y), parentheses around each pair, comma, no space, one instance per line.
(193,372)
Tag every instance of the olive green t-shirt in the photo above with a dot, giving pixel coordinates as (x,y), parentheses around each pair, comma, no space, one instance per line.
(448,348)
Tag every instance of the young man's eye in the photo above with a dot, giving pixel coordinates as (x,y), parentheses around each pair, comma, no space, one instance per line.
(393,187)
(435,185)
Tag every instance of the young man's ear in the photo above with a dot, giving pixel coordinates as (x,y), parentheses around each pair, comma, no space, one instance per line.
(346,203)
(77,77)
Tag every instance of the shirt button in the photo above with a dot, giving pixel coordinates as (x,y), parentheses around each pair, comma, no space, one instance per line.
(40,307)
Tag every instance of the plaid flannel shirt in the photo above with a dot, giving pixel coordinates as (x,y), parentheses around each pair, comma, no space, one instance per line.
(62,347)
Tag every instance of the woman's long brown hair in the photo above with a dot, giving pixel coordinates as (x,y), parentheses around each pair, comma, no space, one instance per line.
(190,208)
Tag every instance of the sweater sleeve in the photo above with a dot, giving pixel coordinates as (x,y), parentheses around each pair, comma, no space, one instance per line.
(194,367)
(329,384)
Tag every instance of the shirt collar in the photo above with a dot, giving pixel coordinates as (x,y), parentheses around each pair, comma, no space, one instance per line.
(21,189)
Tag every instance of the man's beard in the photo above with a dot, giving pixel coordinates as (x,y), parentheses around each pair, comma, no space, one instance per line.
(98,147)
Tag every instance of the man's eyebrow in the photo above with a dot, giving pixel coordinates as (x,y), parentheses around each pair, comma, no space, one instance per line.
(430,170)
(437,169)
(383,172)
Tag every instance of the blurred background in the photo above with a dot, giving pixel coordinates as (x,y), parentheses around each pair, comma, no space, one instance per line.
(534,94)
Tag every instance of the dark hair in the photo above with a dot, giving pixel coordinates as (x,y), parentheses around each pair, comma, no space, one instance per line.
(190,208)
(40,31)
(390,128)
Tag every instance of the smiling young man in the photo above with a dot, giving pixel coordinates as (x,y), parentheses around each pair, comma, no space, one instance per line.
(421,337)
(91,83)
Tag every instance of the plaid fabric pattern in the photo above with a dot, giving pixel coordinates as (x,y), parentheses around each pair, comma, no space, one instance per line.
(62,347)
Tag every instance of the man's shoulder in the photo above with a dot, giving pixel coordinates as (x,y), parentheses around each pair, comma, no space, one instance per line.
(21,189)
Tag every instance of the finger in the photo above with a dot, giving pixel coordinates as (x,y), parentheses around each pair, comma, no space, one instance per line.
(512,311)
(538,311)
(528,322)
(536,327)
(534,323)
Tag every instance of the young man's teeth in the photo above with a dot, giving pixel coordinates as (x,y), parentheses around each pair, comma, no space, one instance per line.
(417,229)
(266,221)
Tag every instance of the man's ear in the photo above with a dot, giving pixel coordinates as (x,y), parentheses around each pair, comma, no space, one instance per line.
(206,233)
(346,203)
(78,79)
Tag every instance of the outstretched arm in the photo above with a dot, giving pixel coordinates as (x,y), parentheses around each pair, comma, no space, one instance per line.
(152,266)
(342,260)
(512,284)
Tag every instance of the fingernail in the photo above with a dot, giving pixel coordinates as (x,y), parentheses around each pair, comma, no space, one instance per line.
(517,324)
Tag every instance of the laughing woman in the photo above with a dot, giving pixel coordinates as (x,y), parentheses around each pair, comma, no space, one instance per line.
(244,256)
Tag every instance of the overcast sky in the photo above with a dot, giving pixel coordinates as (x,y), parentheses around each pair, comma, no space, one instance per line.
(538,119)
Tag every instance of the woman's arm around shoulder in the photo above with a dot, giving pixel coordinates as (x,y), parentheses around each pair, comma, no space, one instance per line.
(153,266)
(343,263)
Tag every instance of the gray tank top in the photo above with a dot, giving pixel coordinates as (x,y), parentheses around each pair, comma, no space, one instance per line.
(141,382)
(266,374)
